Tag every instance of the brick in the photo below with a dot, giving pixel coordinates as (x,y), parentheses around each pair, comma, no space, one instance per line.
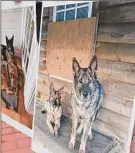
(7,130)
(13,137)
(22,150)
(4,125)
(8,146)
(24,143)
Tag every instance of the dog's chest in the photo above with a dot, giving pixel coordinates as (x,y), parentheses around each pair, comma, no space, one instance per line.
(54,113)
(81,111)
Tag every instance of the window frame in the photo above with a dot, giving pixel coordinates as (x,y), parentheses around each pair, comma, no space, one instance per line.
(55,11)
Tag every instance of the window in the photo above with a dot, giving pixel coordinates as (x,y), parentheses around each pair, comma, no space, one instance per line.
(29,56)
(72,11)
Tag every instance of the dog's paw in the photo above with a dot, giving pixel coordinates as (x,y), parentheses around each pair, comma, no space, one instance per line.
(71,144)
(81,151)
(90,137)
(52,132)
(56,133)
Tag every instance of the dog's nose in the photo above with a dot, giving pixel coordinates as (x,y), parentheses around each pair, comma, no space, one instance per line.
(85,94)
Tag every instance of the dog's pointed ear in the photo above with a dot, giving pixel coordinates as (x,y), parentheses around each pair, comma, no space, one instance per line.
(61,90)
(75,65)
(6,39)
(51,87)
(12,39)
(93,64)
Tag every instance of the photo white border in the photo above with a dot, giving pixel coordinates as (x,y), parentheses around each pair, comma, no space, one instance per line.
(131,128)
(7,5)
(22,128)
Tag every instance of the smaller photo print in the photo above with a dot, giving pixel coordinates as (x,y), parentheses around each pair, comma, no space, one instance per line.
(18,57)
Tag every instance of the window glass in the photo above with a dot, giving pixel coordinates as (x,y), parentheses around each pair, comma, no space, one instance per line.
(82,12)
(70,15)
(70,5)
(80,4)
(60,16)
(61,7)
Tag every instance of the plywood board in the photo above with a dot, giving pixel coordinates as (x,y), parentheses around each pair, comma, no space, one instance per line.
(66,40)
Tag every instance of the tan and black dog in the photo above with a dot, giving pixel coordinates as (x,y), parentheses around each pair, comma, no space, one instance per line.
(53,110)
(87,96)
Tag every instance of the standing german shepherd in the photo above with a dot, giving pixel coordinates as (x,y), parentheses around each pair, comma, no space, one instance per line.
(87,96)
(53,109)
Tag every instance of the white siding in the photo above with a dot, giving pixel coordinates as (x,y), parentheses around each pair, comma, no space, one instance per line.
(12,25)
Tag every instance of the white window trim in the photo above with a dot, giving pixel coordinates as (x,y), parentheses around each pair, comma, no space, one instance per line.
(90,4)
(31,71)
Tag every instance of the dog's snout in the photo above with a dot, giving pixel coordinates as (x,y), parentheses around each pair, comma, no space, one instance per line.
(85,94)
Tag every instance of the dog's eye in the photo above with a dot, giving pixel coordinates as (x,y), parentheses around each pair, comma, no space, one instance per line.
(80,81)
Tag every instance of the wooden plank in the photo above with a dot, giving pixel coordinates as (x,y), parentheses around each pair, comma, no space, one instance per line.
(111,87)
(66,40)
(117,105)
(115,2)
(115,120)
(118,88)
(118,70)
(108,129)
(116,52)
(117,33)
(119,13)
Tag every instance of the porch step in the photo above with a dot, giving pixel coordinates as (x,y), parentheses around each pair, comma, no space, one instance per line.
(101,143)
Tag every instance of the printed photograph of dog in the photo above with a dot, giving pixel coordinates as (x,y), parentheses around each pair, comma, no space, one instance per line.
(18,37)
(91,56)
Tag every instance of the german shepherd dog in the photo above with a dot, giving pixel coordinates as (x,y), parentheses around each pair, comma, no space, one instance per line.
(53,109)
(87,96)
(8,49)
(10,71)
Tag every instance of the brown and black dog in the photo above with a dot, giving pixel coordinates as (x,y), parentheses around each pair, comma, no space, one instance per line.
(10,71)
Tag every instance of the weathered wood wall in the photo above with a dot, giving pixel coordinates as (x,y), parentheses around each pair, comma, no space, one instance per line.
(116,54)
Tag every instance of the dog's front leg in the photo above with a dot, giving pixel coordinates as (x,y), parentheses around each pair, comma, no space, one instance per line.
(56,127)
(84,137)
(73,133)
(50,126)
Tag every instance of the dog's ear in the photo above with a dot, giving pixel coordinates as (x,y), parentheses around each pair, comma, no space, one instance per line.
(75,65)
(6,40)
(12,39)
(61,90)
(93,64)
(51,87)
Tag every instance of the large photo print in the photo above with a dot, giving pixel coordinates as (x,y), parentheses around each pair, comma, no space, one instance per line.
(86,82)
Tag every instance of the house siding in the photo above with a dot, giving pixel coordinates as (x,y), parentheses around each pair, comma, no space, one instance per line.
(11,25)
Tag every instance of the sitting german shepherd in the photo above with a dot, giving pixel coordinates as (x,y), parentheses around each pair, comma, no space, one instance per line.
(11,72)
(87,96)
(53,109)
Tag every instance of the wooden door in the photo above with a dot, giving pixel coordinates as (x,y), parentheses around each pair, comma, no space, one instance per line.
(66,40)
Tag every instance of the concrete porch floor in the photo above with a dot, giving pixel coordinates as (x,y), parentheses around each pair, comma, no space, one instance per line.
(100,143)
(14,141)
